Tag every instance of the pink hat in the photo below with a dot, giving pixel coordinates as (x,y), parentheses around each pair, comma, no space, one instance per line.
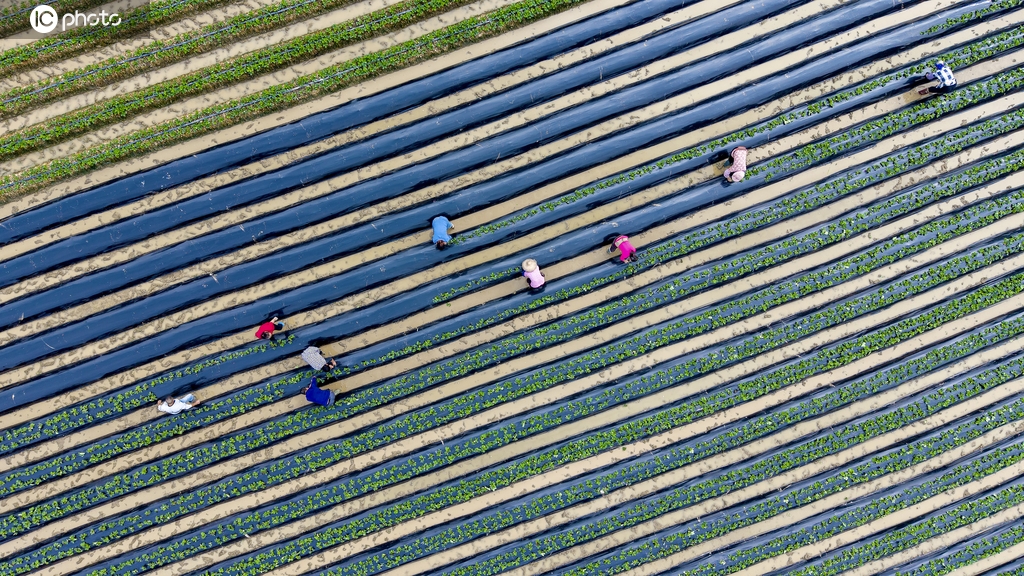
(738,175)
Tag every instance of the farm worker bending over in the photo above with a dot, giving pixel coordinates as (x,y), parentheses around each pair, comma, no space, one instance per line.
(266,330)
(628,252)
(534,277)
(173,405)
(738,169)
(441,226)
(316,360)
(316,395)
(945,77)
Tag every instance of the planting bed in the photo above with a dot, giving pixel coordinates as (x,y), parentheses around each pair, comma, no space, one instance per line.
(817,370)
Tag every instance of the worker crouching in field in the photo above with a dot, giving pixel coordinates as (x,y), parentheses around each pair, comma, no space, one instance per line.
(441,226)
(947,82)
(534,277)
(317,395)
(628,253)
(738,169)
(172,405)
(316,360)
(266,330)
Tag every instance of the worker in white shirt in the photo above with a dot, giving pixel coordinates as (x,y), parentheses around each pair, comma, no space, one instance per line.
(173,405)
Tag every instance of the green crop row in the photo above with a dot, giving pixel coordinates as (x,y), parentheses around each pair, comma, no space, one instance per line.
(770,255)
(803,201)
(471,402)
(701,531)
(597,317)
(167,512)
(973,552)
(337,77)
(104,407)
(161,53)
(808,451)
(955,101)
(133,21)
(895,122)
(931,234)
(281,96)
(793,539)
(909,536)
(242,68)
(264,520)
(997,6)
(792,205)
(731,481)
(490,278)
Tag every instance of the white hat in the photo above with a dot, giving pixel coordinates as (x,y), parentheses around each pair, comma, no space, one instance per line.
(738,175)
(529,265)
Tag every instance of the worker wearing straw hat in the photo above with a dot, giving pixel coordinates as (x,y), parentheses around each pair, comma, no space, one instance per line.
(534,277)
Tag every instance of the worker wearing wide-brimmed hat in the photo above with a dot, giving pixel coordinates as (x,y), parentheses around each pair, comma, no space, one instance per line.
(534,277)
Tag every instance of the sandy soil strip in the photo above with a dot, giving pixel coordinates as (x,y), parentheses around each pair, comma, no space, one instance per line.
(594,298)
(163,33)
(464,139)
(377,85)
(469,95)
(141,416)
(237,91)
(808,552)
(562,474)
(481,504)
(738,79)
(215,265)
(696,470)
(332,268)
(942,542)
(454,429)
(702,300)
(192,189)
(985,565)
(198,62)
(914,513)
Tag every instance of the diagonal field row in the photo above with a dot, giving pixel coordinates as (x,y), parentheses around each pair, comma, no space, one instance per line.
(817,370)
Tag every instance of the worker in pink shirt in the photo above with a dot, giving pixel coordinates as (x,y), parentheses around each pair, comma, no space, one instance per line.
(534,277)
(628,251)
(738,169)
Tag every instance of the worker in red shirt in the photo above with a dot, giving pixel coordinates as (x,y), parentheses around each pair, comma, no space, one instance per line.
(266,330)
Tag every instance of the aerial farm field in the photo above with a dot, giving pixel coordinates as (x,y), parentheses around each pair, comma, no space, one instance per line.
(817,370)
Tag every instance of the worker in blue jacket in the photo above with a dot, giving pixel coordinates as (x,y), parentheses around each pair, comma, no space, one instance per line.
(317,395)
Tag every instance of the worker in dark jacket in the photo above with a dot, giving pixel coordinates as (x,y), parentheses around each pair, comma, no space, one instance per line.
(317,395)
